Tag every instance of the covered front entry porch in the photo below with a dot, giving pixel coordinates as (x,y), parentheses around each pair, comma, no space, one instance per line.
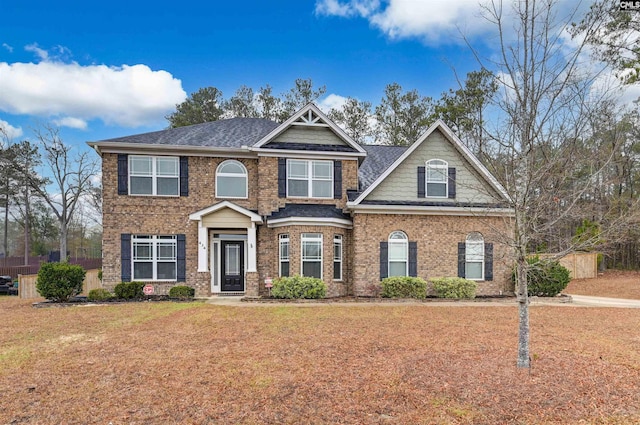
(227,246)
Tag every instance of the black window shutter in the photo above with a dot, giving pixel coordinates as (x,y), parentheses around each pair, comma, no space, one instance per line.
(421,182)
(184,176)
(384,260)
(488,261)
(337,179)
(452,182)
(125,257)
(123,174)
(181,273)
(413,259)
(282,177)
(461,259)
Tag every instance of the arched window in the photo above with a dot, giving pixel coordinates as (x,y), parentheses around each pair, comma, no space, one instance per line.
(398,254)
(231,180)
(474,256)
(437,178)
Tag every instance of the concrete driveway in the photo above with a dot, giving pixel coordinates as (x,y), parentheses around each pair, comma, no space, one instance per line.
(588,301)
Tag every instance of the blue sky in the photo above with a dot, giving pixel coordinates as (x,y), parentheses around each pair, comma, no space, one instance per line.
(107,69)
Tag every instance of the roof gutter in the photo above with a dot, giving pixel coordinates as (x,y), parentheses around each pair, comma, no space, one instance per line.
(147,148)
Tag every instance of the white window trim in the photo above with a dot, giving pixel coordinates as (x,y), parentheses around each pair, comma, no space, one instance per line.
(468,242)
(309,178)
(405,242)
(154,175)
(282,239)
(154,240)
(234,175)
(442,164)
(304,237)
(337,240)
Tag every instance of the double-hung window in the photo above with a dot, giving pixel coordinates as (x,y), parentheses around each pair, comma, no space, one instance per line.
(154,257)
(474,256)
(154,175)
(309,178)
(337,257)
(284,255)
(311,255)
(437,178)
(398,254)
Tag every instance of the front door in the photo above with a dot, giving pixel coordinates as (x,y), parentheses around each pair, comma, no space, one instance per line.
(232,266)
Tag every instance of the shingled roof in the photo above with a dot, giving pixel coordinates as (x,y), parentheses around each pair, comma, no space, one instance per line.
(378,159)
(310,211)
(229,133)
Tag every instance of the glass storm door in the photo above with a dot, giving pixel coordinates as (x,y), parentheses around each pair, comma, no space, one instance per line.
(232,263)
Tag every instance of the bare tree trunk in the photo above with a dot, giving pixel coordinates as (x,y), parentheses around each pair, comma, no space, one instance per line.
(26,225)
(63,242)
(524,357)
(6,228)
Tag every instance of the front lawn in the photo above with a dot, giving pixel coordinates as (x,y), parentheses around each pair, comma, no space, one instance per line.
(160,363)
(612,284)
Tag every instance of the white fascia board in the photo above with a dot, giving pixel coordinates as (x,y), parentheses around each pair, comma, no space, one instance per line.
(425,210)
(306,154)
(148,148)
(310,221)
(225,204)
(310,106)
(457,143)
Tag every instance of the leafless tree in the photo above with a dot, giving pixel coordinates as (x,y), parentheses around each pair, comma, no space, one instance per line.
(545,98)
(70,177)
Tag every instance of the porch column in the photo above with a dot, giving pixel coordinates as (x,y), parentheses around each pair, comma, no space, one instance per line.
(251,246)
(203,252)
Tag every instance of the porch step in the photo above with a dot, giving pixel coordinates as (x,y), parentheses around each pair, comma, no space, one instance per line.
(228,294)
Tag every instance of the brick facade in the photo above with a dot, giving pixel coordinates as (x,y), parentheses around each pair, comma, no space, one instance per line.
(437,239)
(155,215)
(268,264)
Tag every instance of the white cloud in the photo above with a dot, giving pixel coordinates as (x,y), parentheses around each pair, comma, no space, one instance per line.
(40,53)
(71,122)
(332,101)
(433,21)
(437,22)
(361,8)
(9,48)
(128,95)
(9,131)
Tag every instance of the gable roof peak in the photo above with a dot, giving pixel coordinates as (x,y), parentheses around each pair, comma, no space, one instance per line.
(457,144)
(310,116)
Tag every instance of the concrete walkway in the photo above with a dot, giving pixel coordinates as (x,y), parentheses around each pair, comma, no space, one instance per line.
(588,301)
(576,301)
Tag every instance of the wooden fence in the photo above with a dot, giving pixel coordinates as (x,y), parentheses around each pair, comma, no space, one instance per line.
(581,265)
(27,284)
(32,268)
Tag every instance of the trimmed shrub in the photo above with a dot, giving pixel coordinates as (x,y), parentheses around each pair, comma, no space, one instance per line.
(296,287)
(182,292)
(60,281)
(546,278)
(403,287)
(99,294)
(454,287)
(129,290)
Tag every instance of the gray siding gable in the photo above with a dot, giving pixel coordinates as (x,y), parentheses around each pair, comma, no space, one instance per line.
(401,184)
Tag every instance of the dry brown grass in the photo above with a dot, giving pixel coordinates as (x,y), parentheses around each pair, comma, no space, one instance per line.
(613,284)
(162,363)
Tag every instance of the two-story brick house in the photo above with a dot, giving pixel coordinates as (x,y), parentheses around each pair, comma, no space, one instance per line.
(222,206)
